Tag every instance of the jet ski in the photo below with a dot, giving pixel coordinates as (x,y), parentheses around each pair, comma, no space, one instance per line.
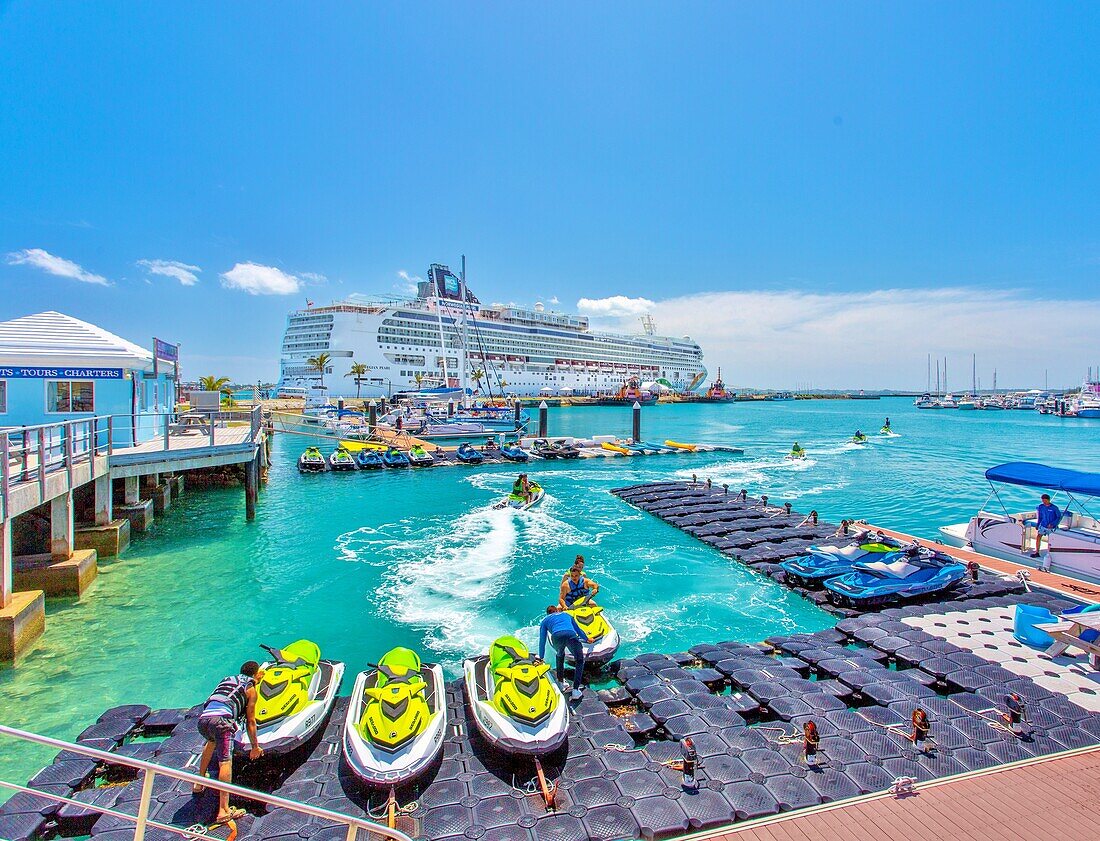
(468,455)
(397,719)
(559,449)
(796,452)
(859,438)
(418,456)
(520,502)
(293,698)
(393,457)
(311,461)
(341,459)
(876,583)
(513,452)
(886,430)
(518,709)
(824,562)
(603,639)
(369,459)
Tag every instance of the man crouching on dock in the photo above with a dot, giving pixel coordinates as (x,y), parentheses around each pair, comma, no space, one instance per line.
(233,699)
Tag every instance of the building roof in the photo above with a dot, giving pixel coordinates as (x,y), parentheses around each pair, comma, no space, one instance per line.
(55,339)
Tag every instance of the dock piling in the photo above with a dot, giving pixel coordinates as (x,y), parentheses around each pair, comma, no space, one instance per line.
(542,419)
(372,415)
(637,426)
(251,488)
(517,411)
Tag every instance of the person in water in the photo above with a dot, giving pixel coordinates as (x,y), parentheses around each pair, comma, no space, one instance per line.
(576,586)
(565,635)
(1047,518)
(232,701)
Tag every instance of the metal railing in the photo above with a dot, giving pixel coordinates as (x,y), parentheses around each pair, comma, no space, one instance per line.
(141,820)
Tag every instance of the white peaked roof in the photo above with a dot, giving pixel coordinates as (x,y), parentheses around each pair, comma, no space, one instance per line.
(55,339)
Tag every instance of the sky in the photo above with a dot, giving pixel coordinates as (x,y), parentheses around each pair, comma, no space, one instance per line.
(820,194)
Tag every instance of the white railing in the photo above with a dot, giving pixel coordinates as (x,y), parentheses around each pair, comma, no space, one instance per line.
(355,826)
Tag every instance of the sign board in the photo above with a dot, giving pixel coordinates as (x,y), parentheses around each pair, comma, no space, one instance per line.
(169,353)
(26,373)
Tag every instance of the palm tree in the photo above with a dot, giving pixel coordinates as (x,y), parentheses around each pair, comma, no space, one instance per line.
(477,376)
(357,370)
(212,383)
(418,378)
(318,363)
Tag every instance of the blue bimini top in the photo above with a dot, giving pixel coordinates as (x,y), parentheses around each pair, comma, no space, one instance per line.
(1032,475)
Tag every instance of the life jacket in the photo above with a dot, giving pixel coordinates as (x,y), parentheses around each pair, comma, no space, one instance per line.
(231,692)
(577,589)
(517,488)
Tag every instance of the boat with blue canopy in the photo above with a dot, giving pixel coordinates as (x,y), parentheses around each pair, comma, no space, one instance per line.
(1071,548)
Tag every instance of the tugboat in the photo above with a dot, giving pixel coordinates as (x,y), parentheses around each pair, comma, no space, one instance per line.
(717,392)
(630,393)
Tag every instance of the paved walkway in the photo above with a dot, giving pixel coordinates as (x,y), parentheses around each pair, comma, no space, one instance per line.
(1054,798)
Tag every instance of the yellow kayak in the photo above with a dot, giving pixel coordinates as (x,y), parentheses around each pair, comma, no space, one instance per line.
(615,448)
(677,446)
(356,446)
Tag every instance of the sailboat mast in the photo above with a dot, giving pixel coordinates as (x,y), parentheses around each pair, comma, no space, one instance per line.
(945,373)
(974,373)
(928,383)
(937,377)
(465,332)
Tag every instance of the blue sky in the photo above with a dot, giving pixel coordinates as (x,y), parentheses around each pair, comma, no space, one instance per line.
(933,166)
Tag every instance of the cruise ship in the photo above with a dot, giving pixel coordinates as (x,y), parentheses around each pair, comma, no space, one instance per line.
(446,338)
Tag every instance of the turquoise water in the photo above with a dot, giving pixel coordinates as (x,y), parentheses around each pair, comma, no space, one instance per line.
(362,562)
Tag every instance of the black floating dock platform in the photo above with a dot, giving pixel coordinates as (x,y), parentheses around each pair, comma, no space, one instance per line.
(743,705)
(761,535)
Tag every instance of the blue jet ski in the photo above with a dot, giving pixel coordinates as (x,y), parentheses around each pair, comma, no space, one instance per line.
(824,562)
(468,455)
(876,583)
(393,457)
(513,452)
(369,459)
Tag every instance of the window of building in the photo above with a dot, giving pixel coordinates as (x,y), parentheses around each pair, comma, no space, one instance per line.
(3,397)
(70,396)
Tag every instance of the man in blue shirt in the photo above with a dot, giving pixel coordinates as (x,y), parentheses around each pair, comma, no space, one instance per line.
(1047,518)
(564,634)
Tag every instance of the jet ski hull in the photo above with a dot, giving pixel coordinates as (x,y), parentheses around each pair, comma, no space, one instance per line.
(504,733)
(600,652)
(521,505)
(378,767)
(293,731)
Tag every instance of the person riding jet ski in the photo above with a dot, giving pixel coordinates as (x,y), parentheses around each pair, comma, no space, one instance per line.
(797,451)
(575,587)
(397,719)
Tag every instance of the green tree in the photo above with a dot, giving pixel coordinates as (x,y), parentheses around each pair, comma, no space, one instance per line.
(357,370)
(477,376)
(418,378)
(319,363)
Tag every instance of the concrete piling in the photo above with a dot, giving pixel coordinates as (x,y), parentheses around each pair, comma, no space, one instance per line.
(543,424)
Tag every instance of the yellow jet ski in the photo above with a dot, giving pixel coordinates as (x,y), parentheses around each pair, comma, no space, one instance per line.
(397,719)
(293,698)
(517,707)
(603,639)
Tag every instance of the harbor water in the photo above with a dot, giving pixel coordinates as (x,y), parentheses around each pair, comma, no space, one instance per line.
(360,562)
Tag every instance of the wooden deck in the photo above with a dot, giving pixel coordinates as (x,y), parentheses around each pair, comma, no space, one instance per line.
(1051,580)
(1047,798)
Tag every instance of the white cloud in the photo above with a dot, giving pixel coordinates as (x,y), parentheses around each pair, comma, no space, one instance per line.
(59,266)
(614,306)
(554,300)
(182,272)
(313,277)
(260,280)
(407,282)
(881,339)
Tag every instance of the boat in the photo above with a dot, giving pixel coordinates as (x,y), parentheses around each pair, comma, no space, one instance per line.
(796,452)
(512,451)
(341,459)
(859,438)
(824,562)
(468,455)
(556,449)
(675,445)
(717,392)
(878,582)
(393,457)
(515,705)
(435,343)
(397,719)
(1086,404)
(520,502)
(312,461)
(603,639)
(293,698)
(629,393)
(369,459)
(1073,548)
(418,456)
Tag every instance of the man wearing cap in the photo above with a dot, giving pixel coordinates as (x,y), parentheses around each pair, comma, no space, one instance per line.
(1047,517)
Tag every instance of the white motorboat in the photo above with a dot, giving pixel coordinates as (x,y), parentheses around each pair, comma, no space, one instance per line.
(1072,549)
